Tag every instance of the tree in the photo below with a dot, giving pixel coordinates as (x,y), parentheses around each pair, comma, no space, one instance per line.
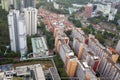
(71,17)
(118,59)
(117,17)
(49,36)
(77,23)
(98,19)
(90,27)
(118,28)
(81,9)
(4,32)
(100,38)
(68,32)
(59,64)
(50,41)
(86,30)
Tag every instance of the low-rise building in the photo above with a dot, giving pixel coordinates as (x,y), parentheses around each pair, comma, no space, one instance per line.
(54,73)
(6,75)
(31,70)
(39,47)
(6,72)
(53,21)
(2,76)
(88,10)
(38,72)
(23,71)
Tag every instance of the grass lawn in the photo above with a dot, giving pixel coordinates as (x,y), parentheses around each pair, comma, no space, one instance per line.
(17,78)
(45,64)
(60,66)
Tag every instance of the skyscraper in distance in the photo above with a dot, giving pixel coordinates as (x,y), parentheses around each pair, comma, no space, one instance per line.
(20,4)
(31,20)
(6,4)
(17,4)
(29,3)
(49,0)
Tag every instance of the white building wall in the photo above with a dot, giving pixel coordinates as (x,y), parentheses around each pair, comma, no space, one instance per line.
(80,72)
(118,47)
(17,32)
(31,20)
(11,33)
(117,77)
(34,24)
(11,26)
(62,54)
(22,37)
(76,46)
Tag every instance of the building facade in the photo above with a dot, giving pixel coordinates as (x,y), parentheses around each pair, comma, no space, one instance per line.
(17,32)
(31,20)
(20,4)
(84,72)
(29,3)
(17,4)
(118,47)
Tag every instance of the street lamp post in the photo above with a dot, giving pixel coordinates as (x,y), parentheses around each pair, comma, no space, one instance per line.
(7,47)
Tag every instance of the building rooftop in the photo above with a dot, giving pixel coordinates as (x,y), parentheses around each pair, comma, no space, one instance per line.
(34,71)
(87,70)
(54,73)
(39,74)
(85,64)
(7,67)
(53,20)
(113,50)
(39,46)
(61,34)
(68,50)
(23,70)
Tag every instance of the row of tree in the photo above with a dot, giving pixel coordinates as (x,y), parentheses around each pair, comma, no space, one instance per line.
(4,32)
(49,35)
(76,23)
(60,66)
(90,30)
